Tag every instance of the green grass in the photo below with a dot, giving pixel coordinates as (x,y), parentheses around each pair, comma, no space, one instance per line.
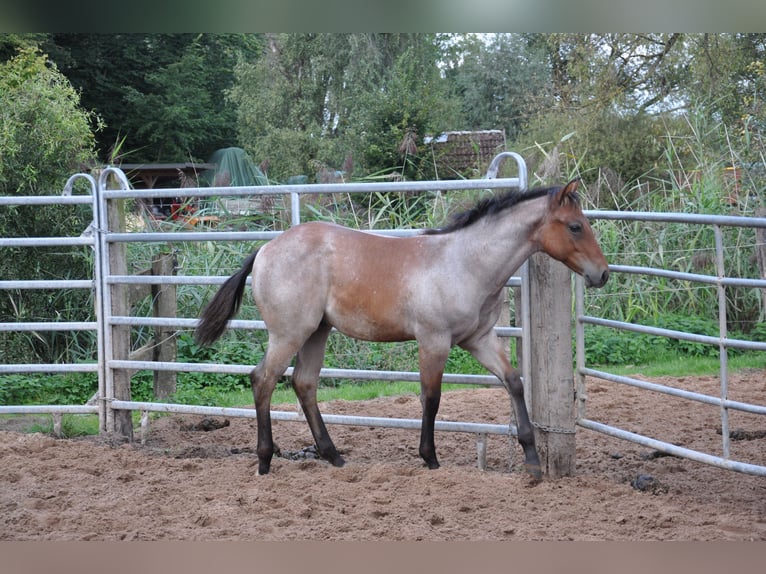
(352,391)
(689,366)
(82,425)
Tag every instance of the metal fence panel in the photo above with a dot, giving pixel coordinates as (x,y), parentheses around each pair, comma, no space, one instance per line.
(723,342)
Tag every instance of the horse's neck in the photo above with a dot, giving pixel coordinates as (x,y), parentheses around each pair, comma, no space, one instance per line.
(497,246)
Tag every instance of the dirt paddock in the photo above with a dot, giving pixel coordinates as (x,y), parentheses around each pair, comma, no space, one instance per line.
(186,483)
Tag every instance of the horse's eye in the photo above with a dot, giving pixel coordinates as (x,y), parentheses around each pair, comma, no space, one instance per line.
(575,227)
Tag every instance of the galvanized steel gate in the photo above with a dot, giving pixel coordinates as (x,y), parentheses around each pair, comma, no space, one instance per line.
(101,239)
(723,342)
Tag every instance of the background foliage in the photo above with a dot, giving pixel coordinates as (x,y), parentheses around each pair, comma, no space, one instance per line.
(656,122)
(44,136)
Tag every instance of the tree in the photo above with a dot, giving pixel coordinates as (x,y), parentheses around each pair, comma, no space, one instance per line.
(631,73)
(45,136)
(280,101)
(318,97)
(501,82)
(610,93)
(163,94)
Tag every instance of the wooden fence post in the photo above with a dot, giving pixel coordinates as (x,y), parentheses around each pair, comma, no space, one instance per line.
(162,346)
(760,253)
(164,305)
(551,389)
(118,265)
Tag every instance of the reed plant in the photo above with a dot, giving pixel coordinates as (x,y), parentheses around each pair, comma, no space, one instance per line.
(706,171)
(692,176)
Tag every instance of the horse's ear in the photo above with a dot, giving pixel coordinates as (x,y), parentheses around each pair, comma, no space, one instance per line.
(568,191)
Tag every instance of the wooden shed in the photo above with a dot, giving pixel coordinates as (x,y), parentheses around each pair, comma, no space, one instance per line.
(465,153)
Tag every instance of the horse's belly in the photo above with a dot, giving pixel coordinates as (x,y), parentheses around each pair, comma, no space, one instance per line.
(360,324)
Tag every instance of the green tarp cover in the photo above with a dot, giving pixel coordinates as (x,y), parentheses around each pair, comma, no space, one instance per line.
(234,168)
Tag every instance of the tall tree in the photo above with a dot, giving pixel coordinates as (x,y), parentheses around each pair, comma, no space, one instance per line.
(45,136)
(608,92)
(161,96)
(318,97)
(501,80)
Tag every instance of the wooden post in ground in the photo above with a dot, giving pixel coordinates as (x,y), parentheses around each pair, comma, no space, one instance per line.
(118,265)
(164,304)
(551,388)
(162,346)
(760,253)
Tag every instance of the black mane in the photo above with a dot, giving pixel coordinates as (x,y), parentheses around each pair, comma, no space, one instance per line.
(490,206)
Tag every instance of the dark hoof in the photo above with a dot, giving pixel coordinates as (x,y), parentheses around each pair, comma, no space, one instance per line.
(534,472)
(263,468)
(338,461)
(433,465)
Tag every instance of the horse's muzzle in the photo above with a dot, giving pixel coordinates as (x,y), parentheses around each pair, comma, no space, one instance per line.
(596,280)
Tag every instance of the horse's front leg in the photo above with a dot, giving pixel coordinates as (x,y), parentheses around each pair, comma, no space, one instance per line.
(489,351)
(432,362)
(526,434)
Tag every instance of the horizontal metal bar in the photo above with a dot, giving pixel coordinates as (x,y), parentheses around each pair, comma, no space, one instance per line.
(181,323)
(195,280)
(45,241)
(40,326)
(49,368)
(178,236)
(317,188)
(693,277)
(654,272)
(167,280)
(174,236)
(413,424)
(670,217)
(673,449)
(49,409)
(329,373)
(46,199)
(673,334)
(52,284)
(690,395)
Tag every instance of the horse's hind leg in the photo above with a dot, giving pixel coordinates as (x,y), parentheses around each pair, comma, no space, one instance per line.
(305,378)
(432,359)
(263,379)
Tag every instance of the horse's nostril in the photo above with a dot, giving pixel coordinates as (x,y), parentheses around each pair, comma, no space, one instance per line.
(605,277)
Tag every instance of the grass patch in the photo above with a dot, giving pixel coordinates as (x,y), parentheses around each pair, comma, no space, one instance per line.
(689,366)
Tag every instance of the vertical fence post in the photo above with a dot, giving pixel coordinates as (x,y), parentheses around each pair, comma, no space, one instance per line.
(123,422)
(551,388)
(164,304)
(760,253)
(116,303)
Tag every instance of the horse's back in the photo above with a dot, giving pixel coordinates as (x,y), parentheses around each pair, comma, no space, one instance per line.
(354,280)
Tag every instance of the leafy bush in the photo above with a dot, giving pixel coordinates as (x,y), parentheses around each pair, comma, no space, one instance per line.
(45,136)
(606,346)
(66,389)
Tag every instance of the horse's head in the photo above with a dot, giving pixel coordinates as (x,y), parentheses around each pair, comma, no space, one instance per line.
(566,235)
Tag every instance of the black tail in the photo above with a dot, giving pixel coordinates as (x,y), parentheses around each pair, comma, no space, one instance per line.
(223,306)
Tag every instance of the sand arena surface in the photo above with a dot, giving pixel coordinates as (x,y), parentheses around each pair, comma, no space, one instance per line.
(195,485)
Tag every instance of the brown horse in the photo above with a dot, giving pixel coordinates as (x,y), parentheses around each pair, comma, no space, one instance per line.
(442,288)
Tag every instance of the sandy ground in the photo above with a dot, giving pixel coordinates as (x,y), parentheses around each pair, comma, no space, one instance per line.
(186,484)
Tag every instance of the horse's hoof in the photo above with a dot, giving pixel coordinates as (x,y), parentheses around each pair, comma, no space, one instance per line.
(338,461)
(534,471)
(433,465)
